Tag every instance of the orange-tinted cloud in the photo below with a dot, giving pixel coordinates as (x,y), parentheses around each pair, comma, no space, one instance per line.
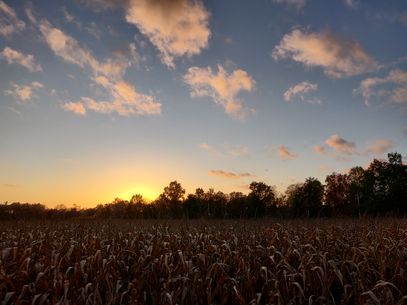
(371,87)
(222,87)
(75,107)
(9,22)
(109,75)
(176,28)
(300,90)
(23,93)
(229,175)
(338,57)
(15,57)
(320,149)
(285,154)
(380,146)
(341,145)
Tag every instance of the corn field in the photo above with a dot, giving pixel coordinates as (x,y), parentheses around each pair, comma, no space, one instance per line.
(204,262)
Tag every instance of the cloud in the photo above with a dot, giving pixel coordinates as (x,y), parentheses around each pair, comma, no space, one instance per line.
(222,87)
(233,151)
(375,87)
(351,3)
(320,149)
(9,22)
(229,175)
(23,93)
(75,107)
(285,154)
(340,145)
(26,60)
(9,185)
(405,130)
(210,150)
(300,90)
(238,151)
(296,3)
(176,28)
(109,75)
(380,146)
(338,57)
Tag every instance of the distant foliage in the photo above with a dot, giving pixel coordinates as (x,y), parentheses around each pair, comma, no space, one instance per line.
(379,190)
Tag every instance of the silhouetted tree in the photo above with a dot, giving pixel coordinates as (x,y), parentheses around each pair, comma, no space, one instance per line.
(337,194)
(261,197)
(171,199)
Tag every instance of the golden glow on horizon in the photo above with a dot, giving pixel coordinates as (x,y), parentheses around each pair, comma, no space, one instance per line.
(148,193)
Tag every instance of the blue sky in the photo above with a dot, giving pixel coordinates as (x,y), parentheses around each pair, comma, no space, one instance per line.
(103,98)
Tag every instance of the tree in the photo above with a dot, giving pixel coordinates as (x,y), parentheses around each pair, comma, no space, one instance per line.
(337,193)
(170,200)
(194,205)
(307,198)
(261,198)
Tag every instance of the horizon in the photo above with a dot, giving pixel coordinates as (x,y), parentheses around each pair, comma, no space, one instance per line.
(104,99)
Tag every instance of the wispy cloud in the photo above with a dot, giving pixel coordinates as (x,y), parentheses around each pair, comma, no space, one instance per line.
(9,22)
(341,145)
(23,93)
(351,3)
(9,185)
(222,87)
(379,146)
(226,150)
(296,3)
(229,175)
(338,57)
(320,149)
(301,90)
(374,87)
(16,57)
(285,154)
(109,75)
(210,150)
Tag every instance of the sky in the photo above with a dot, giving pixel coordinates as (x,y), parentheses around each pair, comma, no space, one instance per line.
(102,99)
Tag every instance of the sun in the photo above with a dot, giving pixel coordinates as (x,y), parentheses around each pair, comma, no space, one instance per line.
(148,193)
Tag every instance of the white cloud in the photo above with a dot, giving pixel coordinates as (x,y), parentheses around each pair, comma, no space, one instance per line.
(340,145)
(229,175)
(176,28)
(109,75)
(9,22)
(296,3)
(23,93)
(222,87)
(380,146)
(285,154)
(374,87)
(338,57)
(300,90)
(26,60)
(75,107)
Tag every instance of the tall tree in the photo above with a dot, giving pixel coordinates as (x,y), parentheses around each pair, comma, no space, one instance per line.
(261,198)
(337,194)
(171,199)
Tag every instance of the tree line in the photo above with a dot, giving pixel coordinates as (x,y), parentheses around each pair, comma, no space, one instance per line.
(379,190)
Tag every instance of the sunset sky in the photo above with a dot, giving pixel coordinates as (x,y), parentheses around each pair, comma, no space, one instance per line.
(102,99)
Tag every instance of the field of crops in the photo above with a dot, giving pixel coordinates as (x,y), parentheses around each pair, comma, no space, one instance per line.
(204,262)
